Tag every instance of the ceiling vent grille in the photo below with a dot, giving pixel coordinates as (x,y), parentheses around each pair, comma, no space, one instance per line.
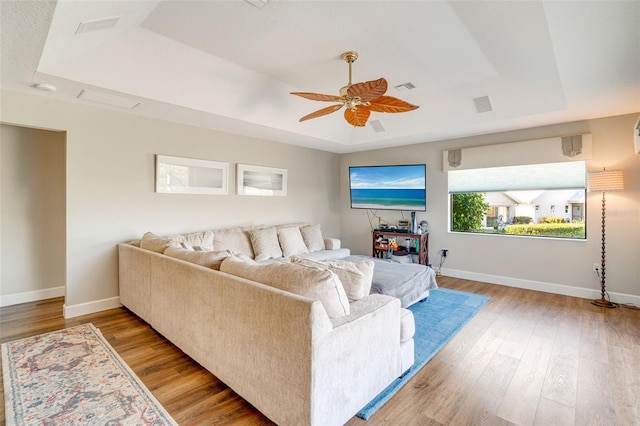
(377,126)
(483,104)
(106,99)
(97,24)
(257,3)
(405,87)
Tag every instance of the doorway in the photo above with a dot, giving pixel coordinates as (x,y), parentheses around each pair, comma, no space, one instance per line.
(32,214)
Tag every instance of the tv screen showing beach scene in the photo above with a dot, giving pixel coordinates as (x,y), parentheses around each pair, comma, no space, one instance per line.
(388,187)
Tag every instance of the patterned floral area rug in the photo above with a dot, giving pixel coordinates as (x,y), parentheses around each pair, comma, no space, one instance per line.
(74,377)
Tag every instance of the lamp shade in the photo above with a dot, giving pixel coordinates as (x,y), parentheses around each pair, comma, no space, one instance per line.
(608,180)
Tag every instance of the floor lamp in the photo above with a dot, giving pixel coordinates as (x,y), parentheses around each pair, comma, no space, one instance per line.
(604,181)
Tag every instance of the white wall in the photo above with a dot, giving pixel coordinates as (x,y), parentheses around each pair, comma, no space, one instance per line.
(110,186)
(559,266)
(32,219)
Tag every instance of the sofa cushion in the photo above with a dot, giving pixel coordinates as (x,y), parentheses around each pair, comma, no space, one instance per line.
(208,259)
(312,282)
(195,241)
(151,241)
(291,241)
(407,325)
(265,243)
(327,254)
(312,236)
(234,239)
(355,276)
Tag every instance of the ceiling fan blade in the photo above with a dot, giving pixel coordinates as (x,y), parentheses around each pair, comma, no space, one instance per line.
(358,117)
(318,96)
(369,90)
(390,104)
(321,112)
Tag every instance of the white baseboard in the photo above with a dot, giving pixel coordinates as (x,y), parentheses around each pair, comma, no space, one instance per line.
(566,290)
(31,296)
(70,311)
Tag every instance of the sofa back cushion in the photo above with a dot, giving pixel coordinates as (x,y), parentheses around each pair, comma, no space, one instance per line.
(151,241)
(208,259)
(356,276)
(194,241)
(265,243)
(312,236)
(291,241)
(309,281)
(233,239)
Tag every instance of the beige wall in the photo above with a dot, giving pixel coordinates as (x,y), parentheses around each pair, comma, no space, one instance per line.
(110,198)
(549,265)
(110,186)
(32,218)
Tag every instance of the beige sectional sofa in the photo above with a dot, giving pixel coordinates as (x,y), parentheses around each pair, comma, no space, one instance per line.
(283,332)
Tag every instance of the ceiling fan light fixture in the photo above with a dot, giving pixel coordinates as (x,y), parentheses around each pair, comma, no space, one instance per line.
(359,99)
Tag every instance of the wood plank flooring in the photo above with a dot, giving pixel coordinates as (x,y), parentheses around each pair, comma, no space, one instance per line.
(527,358)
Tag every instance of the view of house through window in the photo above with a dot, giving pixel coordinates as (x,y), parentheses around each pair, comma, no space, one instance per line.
(541,200)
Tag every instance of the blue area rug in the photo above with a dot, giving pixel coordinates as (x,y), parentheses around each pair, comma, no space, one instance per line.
(438,319)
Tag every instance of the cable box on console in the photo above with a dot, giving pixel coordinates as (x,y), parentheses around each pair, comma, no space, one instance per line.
(400,231)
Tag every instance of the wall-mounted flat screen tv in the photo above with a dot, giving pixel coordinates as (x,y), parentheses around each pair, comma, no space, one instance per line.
(401,187)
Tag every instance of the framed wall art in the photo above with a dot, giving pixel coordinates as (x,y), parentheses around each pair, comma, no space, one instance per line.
(180,175)
(258,180)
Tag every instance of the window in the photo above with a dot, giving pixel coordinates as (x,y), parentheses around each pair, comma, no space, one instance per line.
(496,216)
(520,200)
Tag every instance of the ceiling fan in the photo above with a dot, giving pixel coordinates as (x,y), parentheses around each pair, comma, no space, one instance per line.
(359,99)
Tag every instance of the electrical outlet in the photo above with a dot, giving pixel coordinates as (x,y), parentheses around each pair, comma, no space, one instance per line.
(596,267)
(444,252)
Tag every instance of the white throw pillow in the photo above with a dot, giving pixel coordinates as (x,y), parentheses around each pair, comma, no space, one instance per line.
(265,243)
(312,236)
(355,276)
(312,282)
(208,259)
(291,241)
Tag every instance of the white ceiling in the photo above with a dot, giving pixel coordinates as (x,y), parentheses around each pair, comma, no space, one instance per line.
(229,65)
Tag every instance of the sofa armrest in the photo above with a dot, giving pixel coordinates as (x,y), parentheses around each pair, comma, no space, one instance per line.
(362,354)
(134,279)
(332,244)
(362,307)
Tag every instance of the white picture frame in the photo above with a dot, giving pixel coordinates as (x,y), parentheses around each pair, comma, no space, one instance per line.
(259,180)
(181,175)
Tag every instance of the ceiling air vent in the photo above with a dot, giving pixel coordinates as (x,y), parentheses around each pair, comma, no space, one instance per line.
(257,3)
(377,126)
(405,87)
(483,104)
(97,24)
(106,99)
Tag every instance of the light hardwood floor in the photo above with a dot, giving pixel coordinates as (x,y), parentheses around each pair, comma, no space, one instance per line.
(527,358)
